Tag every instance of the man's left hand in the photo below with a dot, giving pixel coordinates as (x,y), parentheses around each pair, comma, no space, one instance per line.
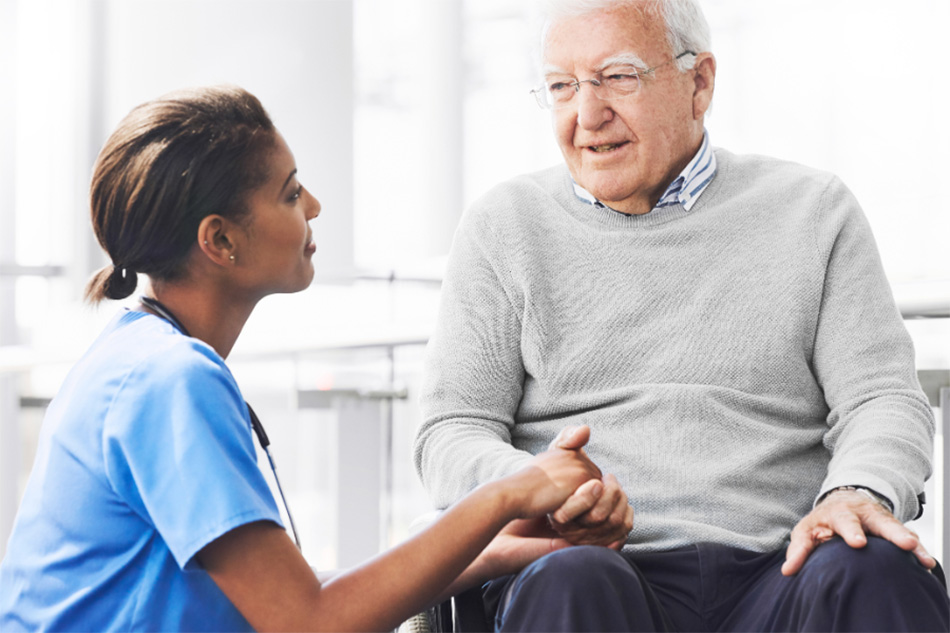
(852,516)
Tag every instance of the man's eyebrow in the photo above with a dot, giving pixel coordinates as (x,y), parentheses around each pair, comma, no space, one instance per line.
(623,59)
(292,174)
(551,69)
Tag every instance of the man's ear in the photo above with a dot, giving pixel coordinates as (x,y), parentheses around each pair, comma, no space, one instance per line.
(704,83)
(216,239)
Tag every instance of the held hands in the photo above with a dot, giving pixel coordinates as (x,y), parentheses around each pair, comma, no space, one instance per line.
(563,473)
(554,475)
(851,515)
(597,513)
(519,544)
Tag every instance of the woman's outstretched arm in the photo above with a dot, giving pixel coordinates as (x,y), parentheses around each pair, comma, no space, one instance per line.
(262,573)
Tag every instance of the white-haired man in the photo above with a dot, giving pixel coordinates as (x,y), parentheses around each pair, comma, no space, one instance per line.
(724,326)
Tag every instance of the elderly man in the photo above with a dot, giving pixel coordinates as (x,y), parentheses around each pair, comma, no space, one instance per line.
(724,326)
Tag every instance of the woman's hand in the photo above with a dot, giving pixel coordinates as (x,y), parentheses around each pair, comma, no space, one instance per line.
(519,544)
(552,476)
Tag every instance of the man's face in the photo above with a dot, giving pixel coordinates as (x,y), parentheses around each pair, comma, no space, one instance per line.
(624,151)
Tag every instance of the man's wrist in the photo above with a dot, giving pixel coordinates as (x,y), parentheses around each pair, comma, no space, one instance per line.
(873,495)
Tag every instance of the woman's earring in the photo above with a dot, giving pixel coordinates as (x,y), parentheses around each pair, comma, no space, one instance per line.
(231,257)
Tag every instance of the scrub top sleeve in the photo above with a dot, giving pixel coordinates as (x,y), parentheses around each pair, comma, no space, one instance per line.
(179,450)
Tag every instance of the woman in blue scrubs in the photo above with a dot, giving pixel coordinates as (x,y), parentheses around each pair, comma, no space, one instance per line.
(146,508)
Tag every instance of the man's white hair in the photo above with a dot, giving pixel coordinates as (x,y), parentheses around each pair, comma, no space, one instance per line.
(686,26)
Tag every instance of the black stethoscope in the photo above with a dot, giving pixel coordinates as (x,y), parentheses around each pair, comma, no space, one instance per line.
(165,313)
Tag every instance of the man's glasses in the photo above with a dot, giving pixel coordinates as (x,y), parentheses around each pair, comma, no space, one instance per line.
(615,82)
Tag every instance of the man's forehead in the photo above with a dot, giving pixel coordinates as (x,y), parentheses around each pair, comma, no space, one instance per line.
(596,39)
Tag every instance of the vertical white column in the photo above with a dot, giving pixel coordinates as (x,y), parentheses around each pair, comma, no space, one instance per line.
(359,479)
(300,66)
(441,182)
(83,254)
(9,401)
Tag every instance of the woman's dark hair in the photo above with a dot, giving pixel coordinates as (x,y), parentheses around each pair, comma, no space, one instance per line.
(170,163)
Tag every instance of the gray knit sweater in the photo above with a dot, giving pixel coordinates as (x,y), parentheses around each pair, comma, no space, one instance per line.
(733,362)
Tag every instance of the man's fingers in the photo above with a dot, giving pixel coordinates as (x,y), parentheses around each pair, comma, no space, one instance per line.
(853,520)
(583,499)
(806,536)
(609,506)
(847,525)
(888,527)
(610,500)
(794,558)
(627,524)
(628,520)
(562,436)
(598,537)
(608,534)
(924,556)
(802,545)
(572,437)
(604,520)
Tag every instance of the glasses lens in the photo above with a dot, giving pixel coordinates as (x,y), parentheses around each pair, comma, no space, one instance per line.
(559,92)
(618,85)
(541,97)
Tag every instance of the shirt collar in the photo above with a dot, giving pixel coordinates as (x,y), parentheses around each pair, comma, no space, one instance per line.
(684,190)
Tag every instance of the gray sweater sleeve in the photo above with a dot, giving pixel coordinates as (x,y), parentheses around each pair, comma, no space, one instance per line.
(880,425)
(473,378)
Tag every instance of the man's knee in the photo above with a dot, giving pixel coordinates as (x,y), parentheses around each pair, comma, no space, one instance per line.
(580,566)
(835,564)
(876,587)
(581,588)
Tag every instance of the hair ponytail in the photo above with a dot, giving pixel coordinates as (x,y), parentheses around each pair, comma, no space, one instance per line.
(110,282)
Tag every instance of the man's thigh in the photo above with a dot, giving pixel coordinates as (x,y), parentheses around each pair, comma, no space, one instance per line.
(597,589)
(718,588)
(877,588)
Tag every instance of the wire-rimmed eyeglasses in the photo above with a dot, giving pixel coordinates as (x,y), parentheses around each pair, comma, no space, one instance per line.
(615,82)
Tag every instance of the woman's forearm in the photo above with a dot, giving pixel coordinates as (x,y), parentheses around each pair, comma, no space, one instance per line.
(424,570)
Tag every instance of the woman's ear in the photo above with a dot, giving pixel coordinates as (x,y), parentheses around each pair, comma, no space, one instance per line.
(216,239)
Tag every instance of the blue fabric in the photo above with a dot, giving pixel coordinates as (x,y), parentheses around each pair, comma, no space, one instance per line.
(146,455)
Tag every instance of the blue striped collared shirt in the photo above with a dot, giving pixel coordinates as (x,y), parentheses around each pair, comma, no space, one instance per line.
(687,187)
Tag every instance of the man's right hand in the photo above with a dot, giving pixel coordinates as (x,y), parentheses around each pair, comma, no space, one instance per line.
(594,514)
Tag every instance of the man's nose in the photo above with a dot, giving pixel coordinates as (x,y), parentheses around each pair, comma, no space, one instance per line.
(592,111)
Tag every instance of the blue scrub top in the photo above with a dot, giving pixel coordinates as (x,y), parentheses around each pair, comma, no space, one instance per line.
(146,455)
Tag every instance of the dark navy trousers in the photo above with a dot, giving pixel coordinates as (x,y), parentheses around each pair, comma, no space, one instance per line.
(717,588)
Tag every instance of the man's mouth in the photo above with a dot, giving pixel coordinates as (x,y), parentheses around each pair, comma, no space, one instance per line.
(607,147)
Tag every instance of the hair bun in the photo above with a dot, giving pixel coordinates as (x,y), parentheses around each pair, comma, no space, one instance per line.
(122,283)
